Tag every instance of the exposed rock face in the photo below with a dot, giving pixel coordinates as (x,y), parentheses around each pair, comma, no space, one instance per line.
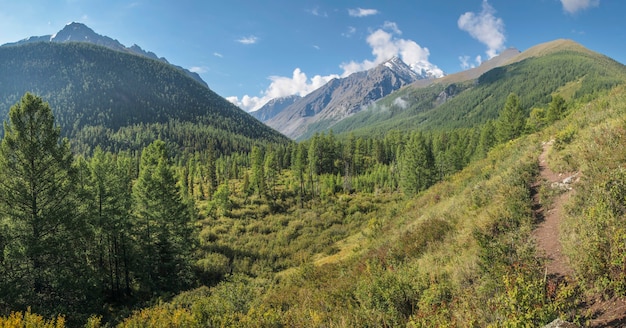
(274,107)
(340,98)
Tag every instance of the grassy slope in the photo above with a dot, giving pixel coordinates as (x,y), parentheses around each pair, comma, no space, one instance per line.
(553,66)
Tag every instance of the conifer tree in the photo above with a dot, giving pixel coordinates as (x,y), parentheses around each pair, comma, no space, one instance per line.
(163,223)
(418,165)
(555,109)
(258,174)
(511,121)
(45,237)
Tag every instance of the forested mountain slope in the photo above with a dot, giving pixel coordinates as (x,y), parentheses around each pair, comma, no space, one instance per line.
(422,229)
(560,66)
(124,101)
(78,32)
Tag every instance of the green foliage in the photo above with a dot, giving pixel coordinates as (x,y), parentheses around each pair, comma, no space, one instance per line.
(43,263)
(473,103)
(30,320)
(163,223)
(510,122)
(556,109)
(417,165)
(122,101)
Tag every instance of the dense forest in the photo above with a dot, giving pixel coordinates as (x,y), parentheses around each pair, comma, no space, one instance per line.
(175,223)
(122,101)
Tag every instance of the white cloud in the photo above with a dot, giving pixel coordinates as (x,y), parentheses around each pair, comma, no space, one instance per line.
(199,69)
(316,12)
(572,6)
(316,47)
(350,32)
(248,40)
(217,54)
(465,62)
(384,46)
(391,26)
(401,103)
(282,86)
(485,27)
(360,12)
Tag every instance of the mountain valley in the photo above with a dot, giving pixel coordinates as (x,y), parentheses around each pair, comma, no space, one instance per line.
(133,195)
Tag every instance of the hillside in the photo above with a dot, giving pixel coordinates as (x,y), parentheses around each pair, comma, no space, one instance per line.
(123,101)
(77,32)
(560,66)
(453,227)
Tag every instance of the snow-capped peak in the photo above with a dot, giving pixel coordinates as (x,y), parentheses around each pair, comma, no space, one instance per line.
(417,71)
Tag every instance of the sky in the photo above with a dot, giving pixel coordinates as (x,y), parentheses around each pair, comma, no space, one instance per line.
(251,51)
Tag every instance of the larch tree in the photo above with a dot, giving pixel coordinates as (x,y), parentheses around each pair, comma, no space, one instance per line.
(44,248)
(163,224)
(511,121)
(417,165)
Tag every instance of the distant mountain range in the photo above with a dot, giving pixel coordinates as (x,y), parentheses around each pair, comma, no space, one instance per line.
(337,99)
(474,96)
(104,94)
(77,32)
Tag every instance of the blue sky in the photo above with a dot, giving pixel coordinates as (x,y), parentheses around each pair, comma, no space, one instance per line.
(250,51)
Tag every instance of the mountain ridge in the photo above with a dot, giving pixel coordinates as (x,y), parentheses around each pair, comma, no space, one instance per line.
(342,97)
(120,100)
(79,32)
(559,66)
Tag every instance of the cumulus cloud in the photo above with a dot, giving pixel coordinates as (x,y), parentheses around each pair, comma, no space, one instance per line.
(573,6)
(217,54)
(248,40)
(360,12)
(485,27)
(385,45)
(282,86)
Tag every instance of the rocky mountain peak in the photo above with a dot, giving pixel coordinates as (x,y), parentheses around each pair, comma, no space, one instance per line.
(79,32)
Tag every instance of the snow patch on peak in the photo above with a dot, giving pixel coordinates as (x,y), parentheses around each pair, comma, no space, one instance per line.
(417,71)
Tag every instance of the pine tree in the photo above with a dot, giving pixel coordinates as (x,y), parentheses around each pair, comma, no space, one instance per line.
(45,237)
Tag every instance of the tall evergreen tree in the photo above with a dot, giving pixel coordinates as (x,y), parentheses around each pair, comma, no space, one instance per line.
(163,223)
(110,199)
(555,109)
(45,237)
(258,174)
(511,121)
(418,164)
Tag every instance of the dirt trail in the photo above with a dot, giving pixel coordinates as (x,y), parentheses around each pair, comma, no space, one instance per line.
(601,313)
(547,232)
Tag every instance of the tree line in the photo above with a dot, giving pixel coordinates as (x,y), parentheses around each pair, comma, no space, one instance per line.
(121,227)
